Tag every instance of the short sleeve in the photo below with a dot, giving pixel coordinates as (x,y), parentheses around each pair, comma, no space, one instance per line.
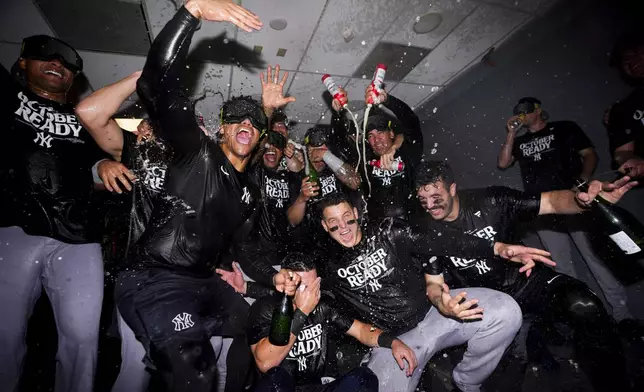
(578,137)
(620,126)
(434,265)
(259,319)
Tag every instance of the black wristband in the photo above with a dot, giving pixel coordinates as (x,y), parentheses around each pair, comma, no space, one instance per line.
(384,340)
(299,318)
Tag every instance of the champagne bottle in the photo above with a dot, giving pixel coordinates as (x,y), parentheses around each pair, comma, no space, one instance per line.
(281,322)
(620,226)
(314,177)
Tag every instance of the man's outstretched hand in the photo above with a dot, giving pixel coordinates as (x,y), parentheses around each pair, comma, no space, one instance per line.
(610,191)
(524,255)
(224,11)
(273,88)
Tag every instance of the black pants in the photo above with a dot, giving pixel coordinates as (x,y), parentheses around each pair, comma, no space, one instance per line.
(174,315)
(360,379)
(557,298)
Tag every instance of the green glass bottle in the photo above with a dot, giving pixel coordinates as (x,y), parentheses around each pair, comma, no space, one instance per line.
(280,332)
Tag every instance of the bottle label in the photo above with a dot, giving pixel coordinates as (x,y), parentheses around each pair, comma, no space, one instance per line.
(625,243)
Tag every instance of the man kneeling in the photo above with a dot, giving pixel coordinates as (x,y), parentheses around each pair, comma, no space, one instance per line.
(298,366)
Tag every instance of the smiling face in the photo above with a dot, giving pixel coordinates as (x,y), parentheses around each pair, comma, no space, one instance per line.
(50,76)
(240,138)
(341,222)
(272,157)
(437,199)
(380,141)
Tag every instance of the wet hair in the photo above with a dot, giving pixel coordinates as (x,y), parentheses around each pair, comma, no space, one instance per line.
(331,200)
(279,116)
(430,172)
(300,261)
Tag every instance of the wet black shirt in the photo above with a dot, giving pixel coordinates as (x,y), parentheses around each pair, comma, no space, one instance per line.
(208,201)
(305,361)
(382,281)
(148,161)
(626,122)
(489,213)
(277,188)
(46,158)
(392,191)
(549,159)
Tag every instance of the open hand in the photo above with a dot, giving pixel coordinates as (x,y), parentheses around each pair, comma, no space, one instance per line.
(609,191)
(307,298)
(224,11)
(634,167)
(457,308)
(402,353)
(112,172)
(524,255)
(273,88)
(235,278)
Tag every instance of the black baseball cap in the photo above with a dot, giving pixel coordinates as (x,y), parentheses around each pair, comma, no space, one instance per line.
(279,116)
(316,137)
(379,123)
(526,105)
(46,48)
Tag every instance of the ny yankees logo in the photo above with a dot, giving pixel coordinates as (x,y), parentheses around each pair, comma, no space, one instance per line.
(375,285)
(386,181)
(246,196)
(537,157)
(482,267)
(280,203)
(45,140)
(182,321)
(301,363)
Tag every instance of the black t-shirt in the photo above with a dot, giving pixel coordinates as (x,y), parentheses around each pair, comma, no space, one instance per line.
(381,279)
(626,122)
(46,158)
(208,201)
(277,190)
(549,159)
(148,161)
(305,361)
(489,213)
(392,191)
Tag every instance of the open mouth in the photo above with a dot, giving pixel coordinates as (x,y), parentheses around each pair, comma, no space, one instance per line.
(270,156)
(244,136)
(52,72)
(346,235)
(435,211)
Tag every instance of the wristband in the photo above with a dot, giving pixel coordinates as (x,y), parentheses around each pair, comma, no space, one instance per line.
(299,318)
(97,179)
(384,340)
(332,161)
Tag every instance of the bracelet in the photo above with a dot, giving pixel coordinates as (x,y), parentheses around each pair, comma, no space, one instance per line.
(384,340)
(97,179)
(299,318)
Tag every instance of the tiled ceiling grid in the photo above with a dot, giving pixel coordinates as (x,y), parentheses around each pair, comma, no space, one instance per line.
(314,40)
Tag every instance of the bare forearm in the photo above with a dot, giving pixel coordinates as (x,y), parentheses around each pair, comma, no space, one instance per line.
(348,176)
(505,156)
(563,202)
(296,212)
(434,292)
(268,356)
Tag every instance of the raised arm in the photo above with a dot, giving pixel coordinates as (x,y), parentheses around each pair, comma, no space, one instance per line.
(95,113)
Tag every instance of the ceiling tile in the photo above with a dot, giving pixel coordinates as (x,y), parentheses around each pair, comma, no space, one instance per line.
(329,53)
(309,91)
(413,94)
(452,12)
(102,69)
(474,36)
(246,82)
(20,19)
(301,17)
(524,5)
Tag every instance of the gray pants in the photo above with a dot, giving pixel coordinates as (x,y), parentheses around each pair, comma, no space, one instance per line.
(133,377)
(486,342)
(558,235)
(72,276)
